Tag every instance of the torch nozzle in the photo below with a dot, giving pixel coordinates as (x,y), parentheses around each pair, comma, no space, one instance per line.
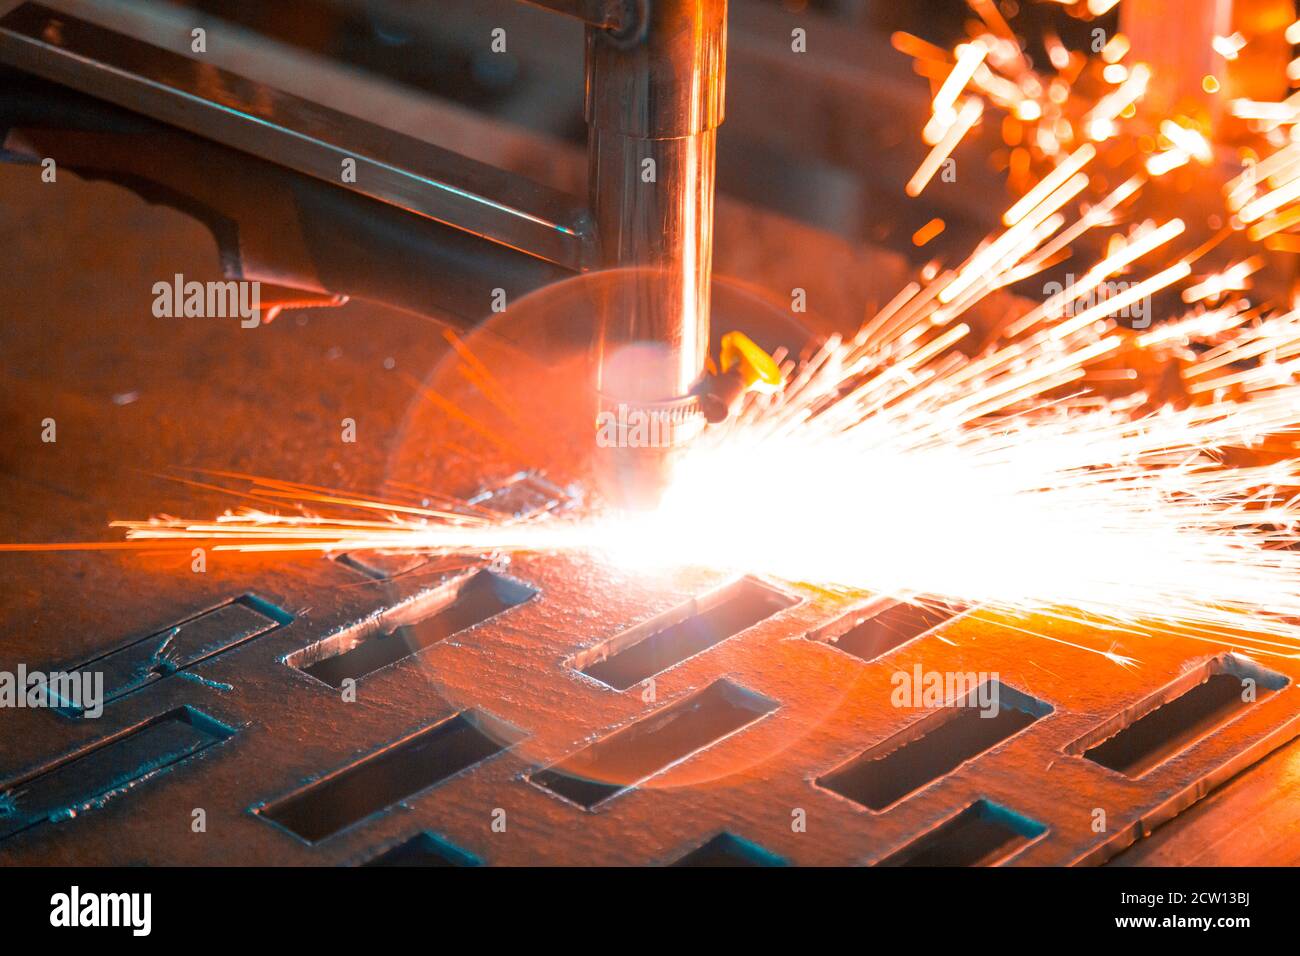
(639,441)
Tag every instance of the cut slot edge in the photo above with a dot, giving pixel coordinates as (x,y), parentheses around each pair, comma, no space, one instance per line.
(882,625)
(371,785)
(411,626)
(870,779)
(982,833)
(1193,708)
(738,709)
(682,633)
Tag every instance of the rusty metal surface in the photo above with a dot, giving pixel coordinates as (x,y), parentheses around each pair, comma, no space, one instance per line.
(134,395)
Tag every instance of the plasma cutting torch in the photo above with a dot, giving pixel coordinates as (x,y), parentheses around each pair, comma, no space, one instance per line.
(217,144)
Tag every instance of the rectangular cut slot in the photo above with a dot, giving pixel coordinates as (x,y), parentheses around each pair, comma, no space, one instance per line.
(871,634)
(523,495)
(934,746)
(107,769)
(381,566)
(667,640)
(1180,715)
(983,834)
(726,849)
(425,849)
(410,627)
(629,756)
(399,771)
(184,645)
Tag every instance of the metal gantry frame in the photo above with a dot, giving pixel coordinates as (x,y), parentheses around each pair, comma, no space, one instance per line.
(654,79)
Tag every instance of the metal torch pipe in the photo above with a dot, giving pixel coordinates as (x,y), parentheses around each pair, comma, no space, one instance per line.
(654,102)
